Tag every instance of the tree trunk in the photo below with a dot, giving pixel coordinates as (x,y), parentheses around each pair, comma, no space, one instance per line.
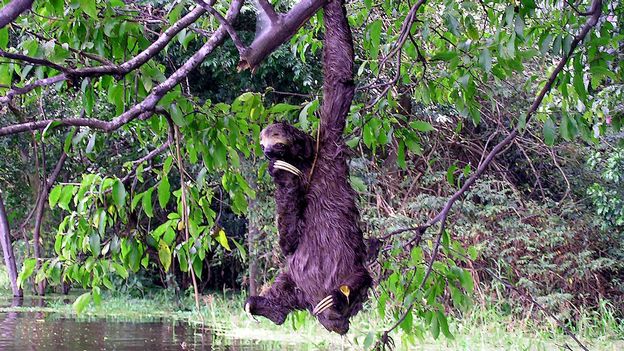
(39,211)
(252,235)
(252,229)
(7,249)
(44,191)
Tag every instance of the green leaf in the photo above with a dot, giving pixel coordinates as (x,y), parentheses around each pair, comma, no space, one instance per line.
(545,45)
(135,200)
(422,126)
(89,7)
(88,99)
(183,260)
(282,107)
(550,132)
(407,322)
(97,295)
(59,6)
(82,302)
(485,60)
(450,174)
(241,250)
(27,270)
(147,203)
(416,256)
(472,253)
(167,165)
(119,193)
(357,183)
(401,155)
(4,37)
(164,254)
(66,196)
(443,324)
(94,244)
(169,236)
(435,326)
(374,32)
(222,239)
(567,128)
(55,195)
(164,192)
(369,136)
(177,116)
(121,270)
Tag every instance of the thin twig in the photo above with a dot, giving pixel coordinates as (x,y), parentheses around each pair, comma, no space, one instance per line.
(224,22)
(185,219)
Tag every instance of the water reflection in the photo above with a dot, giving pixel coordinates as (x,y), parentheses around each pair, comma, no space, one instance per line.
(42,331)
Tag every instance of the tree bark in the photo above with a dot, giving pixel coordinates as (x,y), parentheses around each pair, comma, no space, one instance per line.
(39,212)
(7,249)
(13,9)
(252,229)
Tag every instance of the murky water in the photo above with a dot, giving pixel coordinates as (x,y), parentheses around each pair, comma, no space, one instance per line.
(45,331)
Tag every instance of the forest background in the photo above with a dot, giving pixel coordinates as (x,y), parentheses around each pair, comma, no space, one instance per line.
(485,136)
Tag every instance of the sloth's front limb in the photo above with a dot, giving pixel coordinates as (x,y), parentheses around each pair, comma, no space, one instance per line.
(290,202)
(281,298)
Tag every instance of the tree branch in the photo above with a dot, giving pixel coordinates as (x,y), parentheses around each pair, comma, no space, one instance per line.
(225,23)
(155,152)
(40,210)
(595,10)
(117,70)
(284,27)
(269,10)
(144,109)
(13,9)
(34,61)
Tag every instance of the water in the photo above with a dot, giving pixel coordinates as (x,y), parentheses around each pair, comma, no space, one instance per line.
(47,331)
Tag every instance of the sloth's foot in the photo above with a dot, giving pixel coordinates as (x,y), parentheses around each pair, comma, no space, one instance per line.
(338,300)
(261,306)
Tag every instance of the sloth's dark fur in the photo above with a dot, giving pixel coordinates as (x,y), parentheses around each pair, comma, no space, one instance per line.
(318,218)
(318,229)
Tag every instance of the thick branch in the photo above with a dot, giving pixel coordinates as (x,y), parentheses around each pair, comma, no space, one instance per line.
(13,9)
(280,31)
(269,10)
(144,109)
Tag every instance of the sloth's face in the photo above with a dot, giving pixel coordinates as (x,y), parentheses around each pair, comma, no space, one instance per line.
(275,142)
(281,141)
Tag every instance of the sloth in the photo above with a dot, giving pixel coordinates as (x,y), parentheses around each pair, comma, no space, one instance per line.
(319,234)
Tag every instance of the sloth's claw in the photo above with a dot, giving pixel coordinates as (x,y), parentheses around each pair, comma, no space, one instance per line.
(248,312)
(323,305)
(285,166)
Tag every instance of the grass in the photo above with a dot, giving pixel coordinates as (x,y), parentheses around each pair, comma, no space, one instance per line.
(479,329)
(5,283)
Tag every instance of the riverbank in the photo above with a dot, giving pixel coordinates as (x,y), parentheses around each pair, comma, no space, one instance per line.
(222,316)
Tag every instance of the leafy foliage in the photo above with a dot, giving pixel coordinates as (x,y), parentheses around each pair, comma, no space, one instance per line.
(436,81)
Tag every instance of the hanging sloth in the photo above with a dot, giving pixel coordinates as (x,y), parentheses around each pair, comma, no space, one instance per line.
(318,220)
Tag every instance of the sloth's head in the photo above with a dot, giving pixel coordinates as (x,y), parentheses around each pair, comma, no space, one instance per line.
(281,141)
